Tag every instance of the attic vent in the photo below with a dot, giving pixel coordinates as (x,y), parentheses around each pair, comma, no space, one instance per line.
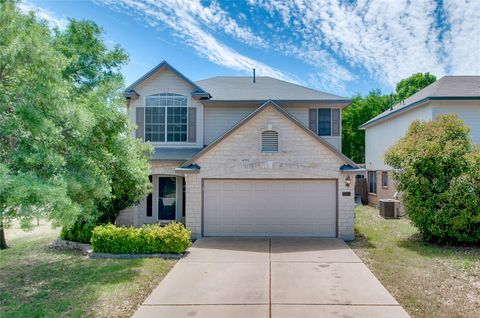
(269,141)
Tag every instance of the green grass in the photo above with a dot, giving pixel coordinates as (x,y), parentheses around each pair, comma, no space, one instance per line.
(427,279)
(38,281)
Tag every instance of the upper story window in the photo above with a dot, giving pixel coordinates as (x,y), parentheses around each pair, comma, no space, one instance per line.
(166,118)
(325,121)
(269,141)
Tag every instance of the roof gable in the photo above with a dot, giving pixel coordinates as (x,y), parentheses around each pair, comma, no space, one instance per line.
(446,88)
(130,90)
(289,117)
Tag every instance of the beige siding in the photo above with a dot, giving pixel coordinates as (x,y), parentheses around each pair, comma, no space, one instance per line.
(219,119)
(166,81)
(300,113)
(469,111)
(300,157)
(378,138)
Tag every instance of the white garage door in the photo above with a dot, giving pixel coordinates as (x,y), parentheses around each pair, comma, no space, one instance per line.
(269,208)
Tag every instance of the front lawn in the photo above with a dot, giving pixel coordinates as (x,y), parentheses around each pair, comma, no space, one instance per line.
(426,279)
(37,281)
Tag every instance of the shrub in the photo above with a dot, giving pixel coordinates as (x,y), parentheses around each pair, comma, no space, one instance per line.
(439,175)
(78,232)
(173,238)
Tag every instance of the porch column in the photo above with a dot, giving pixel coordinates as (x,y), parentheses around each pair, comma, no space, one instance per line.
(178,198)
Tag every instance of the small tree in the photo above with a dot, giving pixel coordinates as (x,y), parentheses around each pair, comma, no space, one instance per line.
(440,179)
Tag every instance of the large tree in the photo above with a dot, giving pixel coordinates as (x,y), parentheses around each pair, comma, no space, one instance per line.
(365,108)
(412,84)
(66,145)
(360,111)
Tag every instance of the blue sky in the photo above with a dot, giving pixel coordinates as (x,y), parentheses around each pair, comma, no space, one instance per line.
(343,47)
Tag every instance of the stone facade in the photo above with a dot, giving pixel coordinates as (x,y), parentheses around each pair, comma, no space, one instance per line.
(239,156)
(300,156)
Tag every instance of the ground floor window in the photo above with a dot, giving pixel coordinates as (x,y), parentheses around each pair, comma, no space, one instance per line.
(372,181)
(385,179)
(149,200)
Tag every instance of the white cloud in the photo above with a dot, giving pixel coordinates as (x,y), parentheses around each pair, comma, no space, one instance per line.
(47,15)
(190,22)
(328,74)
(390,39)
(462,40)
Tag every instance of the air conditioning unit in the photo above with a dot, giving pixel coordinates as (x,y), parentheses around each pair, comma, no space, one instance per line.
(389,208)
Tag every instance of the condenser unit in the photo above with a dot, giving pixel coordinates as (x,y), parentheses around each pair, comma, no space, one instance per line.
(389,208)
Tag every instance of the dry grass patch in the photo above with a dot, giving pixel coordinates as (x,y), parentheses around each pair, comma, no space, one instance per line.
(37,281)
(426,279)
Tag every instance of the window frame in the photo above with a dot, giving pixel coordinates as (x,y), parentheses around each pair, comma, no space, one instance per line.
(370,179)
(166,123)
(318,121)
(385,178)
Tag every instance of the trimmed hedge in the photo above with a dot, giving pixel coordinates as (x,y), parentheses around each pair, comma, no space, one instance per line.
(173,238)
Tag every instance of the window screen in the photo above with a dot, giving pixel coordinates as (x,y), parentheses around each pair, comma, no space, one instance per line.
(324,122)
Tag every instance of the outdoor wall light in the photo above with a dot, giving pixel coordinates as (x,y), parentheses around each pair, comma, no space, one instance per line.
(348,181)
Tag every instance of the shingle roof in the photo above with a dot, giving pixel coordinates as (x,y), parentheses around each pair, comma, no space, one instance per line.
(242,88)
(446,88)
(181,154)
(271,103)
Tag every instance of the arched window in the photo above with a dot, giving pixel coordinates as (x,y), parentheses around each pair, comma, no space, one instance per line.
(269,141)
(166,118)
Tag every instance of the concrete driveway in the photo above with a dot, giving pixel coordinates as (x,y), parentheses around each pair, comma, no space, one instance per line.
(270,277)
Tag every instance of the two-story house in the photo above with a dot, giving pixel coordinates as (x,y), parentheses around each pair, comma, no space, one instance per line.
(458,95)
(242,156)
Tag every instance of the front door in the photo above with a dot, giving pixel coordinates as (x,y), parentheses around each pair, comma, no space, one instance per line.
(166,198)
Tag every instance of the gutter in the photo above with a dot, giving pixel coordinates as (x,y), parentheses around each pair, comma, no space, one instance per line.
(341,102)
(414,104)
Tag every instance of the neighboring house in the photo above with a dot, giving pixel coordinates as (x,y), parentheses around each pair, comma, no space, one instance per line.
(242,156)
(451,94)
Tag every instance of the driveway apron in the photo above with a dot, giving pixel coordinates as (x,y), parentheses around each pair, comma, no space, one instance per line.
(270,277)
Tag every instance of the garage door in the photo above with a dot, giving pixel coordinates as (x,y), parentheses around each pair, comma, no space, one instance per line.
(269,208)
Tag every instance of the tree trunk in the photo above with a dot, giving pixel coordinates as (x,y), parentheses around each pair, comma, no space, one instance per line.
(3,242)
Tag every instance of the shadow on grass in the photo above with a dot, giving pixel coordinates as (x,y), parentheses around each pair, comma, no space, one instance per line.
(416,243)
(52,283)
(361,241)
